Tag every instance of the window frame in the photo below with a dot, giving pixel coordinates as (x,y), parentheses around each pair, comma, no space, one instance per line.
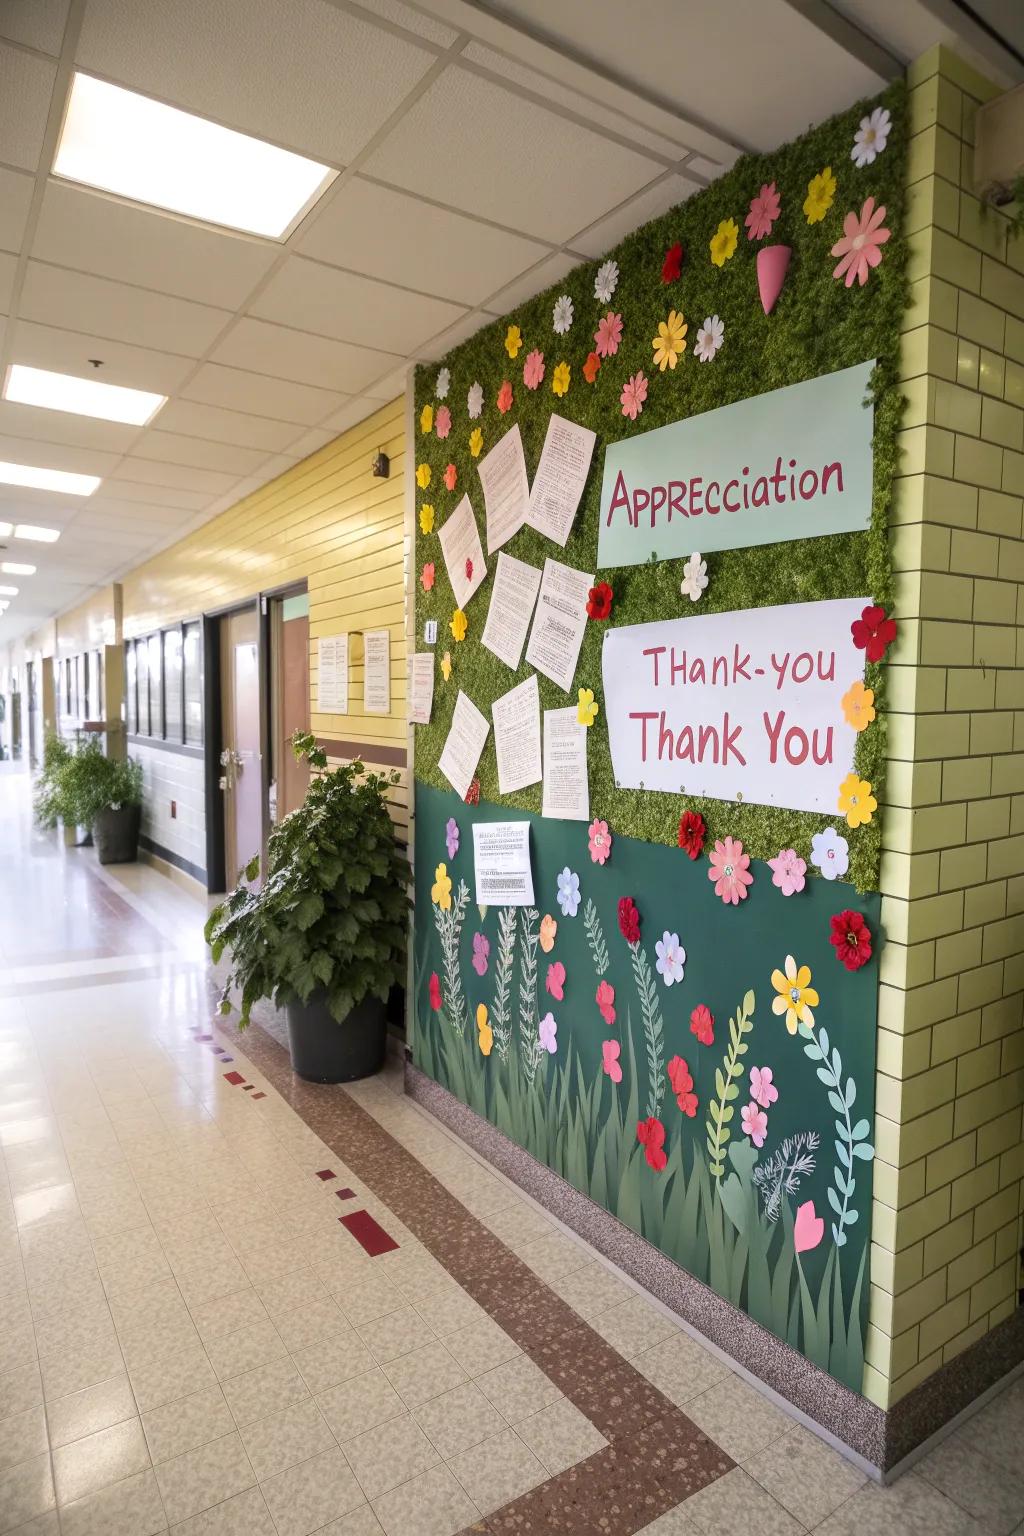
(156,731)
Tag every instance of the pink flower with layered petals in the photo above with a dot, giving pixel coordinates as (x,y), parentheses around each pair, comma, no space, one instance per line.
(762,1090)
(555,979)
(443,421)
(755,1123)
(788,871)
(599,842)
(764,210)
(610,1059)
(608,335)
(533,369)
(860,248)
(606,1002)
(730,870)
(634,393)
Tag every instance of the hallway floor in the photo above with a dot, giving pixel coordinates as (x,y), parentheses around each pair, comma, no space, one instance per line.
(234,1304)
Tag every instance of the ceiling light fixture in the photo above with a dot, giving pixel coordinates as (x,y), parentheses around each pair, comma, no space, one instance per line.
(6,529)
(13,568)
(141,149)
(36,534)
(8,591)
(36,479)
(80,397)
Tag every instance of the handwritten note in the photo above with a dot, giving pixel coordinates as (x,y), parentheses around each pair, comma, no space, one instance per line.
(465,742)
(560,478)
(421,687)
(377,672)
(508,618)
(506,489)
(566,792)
(516,718)
(332,674)
(463,553)
(559,622)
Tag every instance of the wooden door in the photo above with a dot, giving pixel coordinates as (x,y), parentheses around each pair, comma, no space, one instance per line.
(240,727)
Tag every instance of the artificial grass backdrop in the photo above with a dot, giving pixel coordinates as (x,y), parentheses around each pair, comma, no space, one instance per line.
(816,327)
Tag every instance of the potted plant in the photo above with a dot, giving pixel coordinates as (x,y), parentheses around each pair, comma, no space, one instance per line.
(85,788)
(324,936)
(47,796)
(117,810)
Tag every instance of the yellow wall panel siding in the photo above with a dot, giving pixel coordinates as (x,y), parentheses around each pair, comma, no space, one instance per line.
(94,623)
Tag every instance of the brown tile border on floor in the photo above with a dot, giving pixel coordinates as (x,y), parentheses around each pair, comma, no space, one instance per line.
(656,1457)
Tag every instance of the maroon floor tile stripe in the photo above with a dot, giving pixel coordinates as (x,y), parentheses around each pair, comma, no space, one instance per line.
(234,1078)
(326,1173)
(345,1194)
(368,1231)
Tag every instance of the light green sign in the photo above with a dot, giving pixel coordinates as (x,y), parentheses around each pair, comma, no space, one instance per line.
(792,464)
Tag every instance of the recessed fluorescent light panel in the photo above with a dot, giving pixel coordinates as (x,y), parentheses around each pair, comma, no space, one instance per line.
(141,149)
(36,534)
(6,529)
(80,397)
(12,568)
(37,479)
(8,591)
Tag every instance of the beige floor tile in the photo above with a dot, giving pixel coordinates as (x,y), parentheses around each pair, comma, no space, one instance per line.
(481,1347)
(94,1462)
(806,1476)
(244,1350)
(160,1380)
(993,1494)
(733,1503)
(497,1470)
(20,1389)
(304,1326)
(129,1508)
(458,1419)
(394,1334)
(362,1522)
(389,1454)
(554,1255)
(334,1359)
(283,1439)
(738,1419)
(365,1300)
(681,1368)
(84,1413)
(358,1404)
(448,1309)
(187,1423)
(998,1430)
(561,1435)
(634,1326)
(25,1492)
(909,1507)
(246,1514)
(519,1388)
(432,1504)
(204,1477)
(673,1523)
(424,1373)
(216,1319)
(592,1290)
(306,1497)
(22,1437)
(267,1389)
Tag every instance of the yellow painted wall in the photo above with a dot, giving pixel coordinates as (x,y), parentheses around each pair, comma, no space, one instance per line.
(92,624)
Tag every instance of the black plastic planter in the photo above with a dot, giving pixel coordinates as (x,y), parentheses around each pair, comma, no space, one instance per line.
(116,834)
(324,1051)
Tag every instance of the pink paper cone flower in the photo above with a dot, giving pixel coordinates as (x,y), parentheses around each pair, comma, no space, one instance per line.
(730,870)
(547,1033)
(634,393)
(610,1060)
(481,950)
(860,248)
(443,421)
(608,335)
(755,1123)
(788,871)
(762,1089)
(606,1002)
(533,369)
(764,210)
(599,841)
(808,1229)
(555,979)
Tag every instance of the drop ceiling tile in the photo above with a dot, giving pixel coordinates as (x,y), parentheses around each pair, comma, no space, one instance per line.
(45,346)
(401,239)
(454,336)
(306,75)
(8,266)
(419,22)
(300,357)
(238,390)
(542,276)
(91,232)
(607,232)
(311,441)
(15,196)
(59,297)
(174,476)
(351,308)
(353,413)
(215,425)
(36,23)
(391,386)
(114,490)
(26,82)
(53,455)
(507,159)
(33,423)
(170,448)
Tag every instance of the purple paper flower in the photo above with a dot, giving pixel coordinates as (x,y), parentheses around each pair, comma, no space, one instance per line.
(547,1032)
(451,837)
(481,950)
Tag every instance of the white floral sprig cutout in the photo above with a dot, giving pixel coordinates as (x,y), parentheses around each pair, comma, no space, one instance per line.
(606,281)
(563,312)
(695,578)
(443,384)
(709,338)
(475,401)
(871,137)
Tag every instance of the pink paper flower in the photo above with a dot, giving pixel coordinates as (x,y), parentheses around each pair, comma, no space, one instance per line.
(634,393)
(606,1002)
(451,837)
(481,950)
(860,246)
(730,870)
(599,841)
(702,1024)
(504,400)
(435,991)
(610,1059)
(427,576)
(764,210)
(451,474)
(755,1123)
(788,871)
(608,335)
(533,369)
(762,1089)
(443,421)
(808,1229)
(555,979)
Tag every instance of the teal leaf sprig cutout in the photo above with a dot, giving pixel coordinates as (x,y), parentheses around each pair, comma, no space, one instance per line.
(501,1011)
(851,1139)
(529,935)
(720,1110)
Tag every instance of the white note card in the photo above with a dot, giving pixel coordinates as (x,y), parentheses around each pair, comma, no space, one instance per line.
(513,594)
(501,860)
(463,552)
(421,687)
(560,478)
(516,718)
(465,742)
(566,793)
(377,672)
(332,674)
(559,622)
(506,489)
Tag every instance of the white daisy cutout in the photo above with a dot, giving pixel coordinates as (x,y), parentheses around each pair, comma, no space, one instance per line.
(444,380)
(695,578)
(871,137)
(563,314)
(709,338)
(606,281)
(475,401)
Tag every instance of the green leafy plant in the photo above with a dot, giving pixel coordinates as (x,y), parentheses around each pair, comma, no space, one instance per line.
(720,1111)
(331,915)
(47,796)
(74,785)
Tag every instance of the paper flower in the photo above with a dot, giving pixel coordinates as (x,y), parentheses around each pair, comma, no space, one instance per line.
(560,379)
(830,853)
(443,422)
(788,871)
(764,210)
(547,1031)
(504,400)
(762,1090)
(730,870)
(481,951)
(650,1133)
(808,1229)
(606,1001)
(634,393)
(709,338)
(629,920)
(472,795)
(475,401)
(568,892)
(608,335)
(606,281)
(856,802)
(443,384)
(446,665)
(436,999)
(592,367)
(469,568)
(873,633)
(692,832)
(754,1123)
(451,474)
(484,1033)
(821,192)
(476,442)
(562,315)
(599,601)
(548,933)
(860,247)
(451,837)
(859,705)
(702,1024)
(427,576)
(599,842)
(670,342)
(554,981)
(513,341)
(533,369)
(851,939)
(426,518)
(871,138)
(723,241)
(610,1059)
(673,263)
(586,707)
(441,890)
(795,997)
(426,419)
(695,578)
(458,624)
(671,958)
(681,1078)
(422,476)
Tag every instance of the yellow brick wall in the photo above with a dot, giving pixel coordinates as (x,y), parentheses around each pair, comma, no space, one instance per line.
(949,1179)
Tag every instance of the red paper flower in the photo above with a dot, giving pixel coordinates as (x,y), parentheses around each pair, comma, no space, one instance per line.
(673,263)
(692,832)
(469,569)
(473,793)
(682,1086)
(650,1133)
(599,600)
(851,939)
(592,367)
(504,400)
(702,1024)
(435,991)
(873,632)
(629,920)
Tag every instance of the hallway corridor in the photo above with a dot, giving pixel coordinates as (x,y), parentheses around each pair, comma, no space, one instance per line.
(234,1304)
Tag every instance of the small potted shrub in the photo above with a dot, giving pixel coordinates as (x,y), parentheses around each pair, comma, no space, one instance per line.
(48,795)
(85,788)
(117,810)
(324,936)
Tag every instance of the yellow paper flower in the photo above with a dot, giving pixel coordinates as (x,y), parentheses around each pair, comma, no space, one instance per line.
(821,191)
(485,1035)
(422,476)
(670,342)
(560,379)
(458,624)
(426,418)
(441,890)
(586,709)
(859,706)
(548,930)
(796,997)
(856,802)
(426,518)
(446,665)
(723,241)
(476,442)
(513,340)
